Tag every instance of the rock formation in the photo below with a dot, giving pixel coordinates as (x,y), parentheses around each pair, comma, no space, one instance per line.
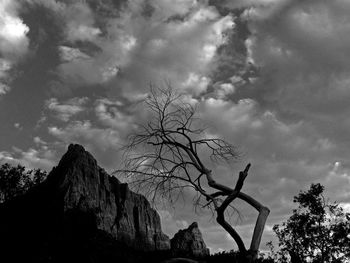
(189,243)
(125,215)
(77,207)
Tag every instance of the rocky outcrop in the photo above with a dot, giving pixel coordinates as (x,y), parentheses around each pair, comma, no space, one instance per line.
(189,243)
(80,207)
(125,215)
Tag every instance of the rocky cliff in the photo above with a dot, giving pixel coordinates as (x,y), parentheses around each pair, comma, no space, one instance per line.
(189,243)
(78,208)
(113,208)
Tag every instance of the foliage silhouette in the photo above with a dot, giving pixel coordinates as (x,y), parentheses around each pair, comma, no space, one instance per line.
(317,231)
(233,257)
(16,180)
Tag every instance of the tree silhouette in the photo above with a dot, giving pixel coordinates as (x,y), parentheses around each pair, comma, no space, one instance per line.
(168,154)
(16,180)
(317,231)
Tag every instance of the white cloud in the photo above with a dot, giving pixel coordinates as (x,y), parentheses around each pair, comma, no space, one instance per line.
(223,90)
(79,68)
(37,140)
(18,126)
(80,23)
(64,111)
(5,157)
(13,40)
(77,18)
(4,89)
(85,133)
(109,113)
(136,49)
(70,54)
(82,32)
(169,8)
(32,158)
(196,83)
(5,67)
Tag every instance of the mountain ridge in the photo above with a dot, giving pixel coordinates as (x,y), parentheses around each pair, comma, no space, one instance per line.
(79,210)
(81,213)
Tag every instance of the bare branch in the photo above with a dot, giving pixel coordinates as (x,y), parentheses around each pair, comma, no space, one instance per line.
(165,157)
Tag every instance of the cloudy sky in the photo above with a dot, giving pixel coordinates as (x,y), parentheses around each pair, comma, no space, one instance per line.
(270,76)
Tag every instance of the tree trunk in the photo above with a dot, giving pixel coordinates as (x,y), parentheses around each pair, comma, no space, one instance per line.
(259,228)
(251,255)
(222,222)
(246,256)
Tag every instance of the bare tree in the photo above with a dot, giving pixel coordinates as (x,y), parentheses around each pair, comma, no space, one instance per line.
(168,154)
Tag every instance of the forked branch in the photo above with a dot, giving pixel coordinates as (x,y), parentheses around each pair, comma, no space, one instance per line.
(167,155)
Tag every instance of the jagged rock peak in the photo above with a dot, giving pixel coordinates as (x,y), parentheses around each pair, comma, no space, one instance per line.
(75,147)
(75,154)
(193,225)
(189,243)
(103,203)
(125,215)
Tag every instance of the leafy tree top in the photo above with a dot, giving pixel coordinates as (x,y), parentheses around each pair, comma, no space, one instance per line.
(317,231)
(16,180)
